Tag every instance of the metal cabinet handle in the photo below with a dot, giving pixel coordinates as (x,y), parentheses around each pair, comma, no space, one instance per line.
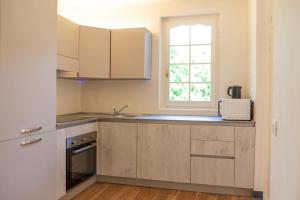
(28,142)
(31,130)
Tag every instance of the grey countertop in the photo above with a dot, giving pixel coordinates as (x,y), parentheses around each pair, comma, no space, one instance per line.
(64,121)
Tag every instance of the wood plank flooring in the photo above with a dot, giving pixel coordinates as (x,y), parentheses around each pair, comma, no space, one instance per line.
(107,191)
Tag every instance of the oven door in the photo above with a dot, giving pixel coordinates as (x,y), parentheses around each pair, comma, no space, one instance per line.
(81,163)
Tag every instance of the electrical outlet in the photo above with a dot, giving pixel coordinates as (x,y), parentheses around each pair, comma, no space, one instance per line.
(274,127)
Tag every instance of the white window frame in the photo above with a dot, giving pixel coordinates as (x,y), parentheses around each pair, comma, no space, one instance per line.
(169,22)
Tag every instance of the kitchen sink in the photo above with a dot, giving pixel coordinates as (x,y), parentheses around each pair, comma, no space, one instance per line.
(120,115)
(125,115)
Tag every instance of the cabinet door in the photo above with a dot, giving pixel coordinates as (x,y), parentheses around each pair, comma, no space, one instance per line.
(67,45)
(164,152)
(28,172)
(244,156)
(67,37)
(61,163)
(118,149)
(131,53)
(212,171)
(94,51)
(27,66)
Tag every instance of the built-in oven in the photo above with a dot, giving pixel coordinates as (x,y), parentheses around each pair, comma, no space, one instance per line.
(80,158)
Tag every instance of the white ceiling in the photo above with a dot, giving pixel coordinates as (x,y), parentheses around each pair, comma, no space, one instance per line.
(105,3)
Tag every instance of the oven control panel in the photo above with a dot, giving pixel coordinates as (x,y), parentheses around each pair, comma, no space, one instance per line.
(81,139)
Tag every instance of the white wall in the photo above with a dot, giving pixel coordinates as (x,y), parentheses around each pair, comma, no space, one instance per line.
(263,95)
(143,96)
(252,48)
(285,165)
(68,96)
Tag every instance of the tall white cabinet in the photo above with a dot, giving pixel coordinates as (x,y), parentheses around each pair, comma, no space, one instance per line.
(27,85)
(28,171)
(27,67)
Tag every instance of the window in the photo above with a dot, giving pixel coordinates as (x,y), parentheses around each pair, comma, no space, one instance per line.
(190,64)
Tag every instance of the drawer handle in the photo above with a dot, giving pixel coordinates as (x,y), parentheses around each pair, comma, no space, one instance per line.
(31,130)
(28,142)
(212,156)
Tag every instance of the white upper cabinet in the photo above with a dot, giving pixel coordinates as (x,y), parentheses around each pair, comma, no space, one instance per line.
(67,45)
(131,53)
(27,66)
(94,52)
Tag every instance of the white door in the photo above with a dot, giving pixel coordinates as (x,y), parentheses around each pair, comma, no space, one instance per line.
(27,66)
(28,172)
(285,161)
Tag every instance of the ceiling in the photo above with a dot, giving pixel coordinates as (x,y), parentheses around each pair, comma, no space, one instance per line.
(106,3)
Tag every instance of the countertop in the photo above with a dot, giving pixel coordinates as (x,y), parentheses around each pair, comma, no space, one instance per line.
(69,120)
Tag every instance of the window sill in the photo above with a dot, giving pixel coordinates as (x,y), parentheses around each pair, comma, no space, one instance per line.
(189,111)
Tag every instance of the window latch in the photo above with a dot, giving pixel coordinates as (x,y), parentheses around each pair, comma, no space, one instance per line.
(167,74)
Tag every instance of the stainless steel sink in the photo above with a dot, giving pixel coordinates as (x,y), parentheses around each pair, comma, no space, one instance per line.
(87,116)
(127,115)
(120,115)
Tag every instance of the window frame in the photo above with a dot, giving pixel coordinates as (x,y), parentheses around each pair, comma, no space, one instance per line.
(169,22)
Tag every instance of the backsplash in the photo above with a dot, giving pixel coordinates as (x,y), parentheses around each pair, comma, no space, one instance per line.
(68,96)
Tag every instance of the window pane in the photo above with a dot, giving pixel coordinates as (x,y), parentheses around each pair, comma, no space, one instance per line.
(179,35)
(179,55)
(201,54)
(179,73)
(201,73)
(179,92)
(200,34)
(200,92)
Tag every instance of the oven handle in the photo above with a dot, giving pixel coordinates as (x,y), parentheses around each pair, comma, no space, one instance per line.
(84,148)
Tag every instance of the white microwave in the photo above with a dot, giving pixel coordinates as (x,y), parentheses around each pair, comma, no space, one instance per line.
(235,109)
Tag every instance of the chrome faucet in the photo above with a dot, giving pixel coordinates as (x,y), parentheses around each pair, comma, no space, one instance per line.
(117,111)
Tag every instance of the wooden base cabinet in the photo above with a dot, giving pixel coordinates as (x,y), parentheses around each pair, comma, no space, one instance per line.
(163,152)
(118,149)
(244,156)
(28,168)
(223,156)
(212,171)
(197,154)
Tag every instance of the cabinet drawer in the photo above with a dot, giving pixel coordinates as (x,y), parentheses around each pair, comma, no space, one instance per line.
(218,133)
(212,171)
(212,148)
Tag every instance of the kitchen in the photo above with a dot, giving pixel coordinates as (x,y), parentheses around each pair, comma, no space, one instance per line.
(153,99)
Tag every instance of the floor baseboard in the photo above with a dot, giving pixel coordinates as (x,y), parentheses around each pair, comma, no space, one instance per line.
(81,187)
(176,186)
(257,195)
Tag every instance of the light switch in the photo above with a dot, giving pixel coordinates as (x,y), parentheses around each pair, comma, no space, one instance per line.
(274,127)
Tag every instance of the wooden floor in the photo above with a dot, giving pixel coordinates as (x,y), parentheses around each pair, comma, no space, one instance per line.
(106,191)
